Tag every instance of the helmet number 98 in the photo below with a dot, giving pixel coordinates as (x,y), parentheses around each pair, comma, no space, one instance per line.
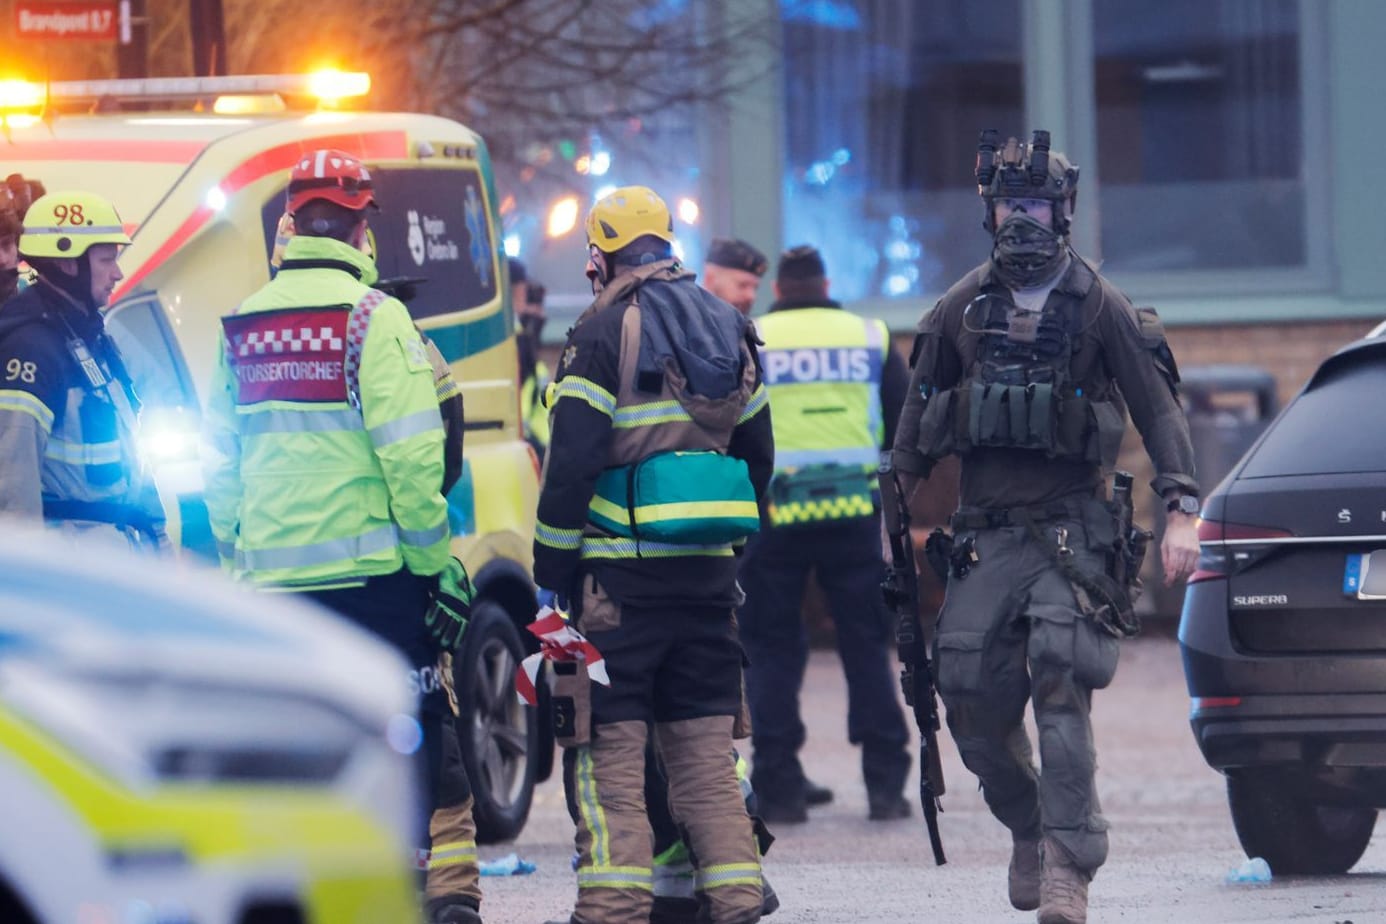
(15,369)
(69,214)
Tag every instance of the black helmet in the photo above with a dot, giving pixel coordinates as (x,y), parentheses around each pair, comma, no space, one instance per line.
(1024,171)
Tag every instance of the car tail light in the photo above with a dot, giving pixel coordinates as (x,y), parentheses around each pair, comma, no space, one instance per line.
(1226,548)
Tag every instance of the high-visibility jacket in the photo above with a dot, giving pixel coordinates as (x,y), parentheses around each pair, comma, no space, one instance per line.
(68,421)
(324,455)
(823,368)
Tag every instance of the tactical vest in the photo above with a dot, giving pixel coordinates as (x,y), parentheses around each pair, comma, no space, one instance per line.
(823,368)
(669,489)
(1022,388)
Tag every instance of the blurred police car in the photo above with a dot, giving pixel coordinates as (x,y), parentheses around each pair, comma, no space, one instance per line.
(176,750)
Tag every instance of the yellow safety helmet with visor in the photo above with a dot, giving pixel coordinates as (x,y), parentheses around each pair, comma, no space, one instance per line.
(67,223)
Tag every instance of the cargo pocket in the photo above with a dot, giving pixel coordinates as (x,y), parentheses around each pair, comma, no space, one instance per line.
(958,661)
(936,426)
(1095,654)
(572,703)
(599,612)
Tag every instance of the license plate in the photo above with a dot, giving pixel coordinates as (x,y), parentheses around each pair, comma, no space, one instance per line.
(1364,577)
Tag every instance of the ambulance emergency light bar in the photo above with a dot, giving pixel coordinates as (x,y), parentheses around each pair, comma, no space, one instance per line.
(327,86)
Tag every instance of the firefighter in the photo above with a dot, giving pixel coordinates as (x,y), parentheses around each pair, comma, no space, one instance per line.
(324,464)
(68,409)
(1025,369)
(16,195)
(657,402)
(834,383)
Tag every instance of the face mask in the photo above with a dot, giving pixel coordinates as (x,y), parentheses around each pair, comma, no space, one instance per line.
(1026,252)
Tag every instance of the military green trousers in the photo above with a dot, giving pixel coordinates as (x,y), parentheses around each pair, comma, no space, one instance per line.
(1011,631)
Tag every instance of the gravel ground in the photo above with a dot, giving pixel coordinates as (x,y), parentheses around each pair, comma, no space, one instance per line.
(1172,842)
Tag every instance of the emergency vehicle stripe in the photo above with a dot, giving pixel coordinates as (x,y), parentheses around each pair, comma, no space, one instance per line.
(423,538)
(759,399)
(553,537)
(453,854)
(867,457)
(377,540)
(600,547)
(61,450)
(593,815)
(573,386)
(646,415)
(257,423)
(404,427)
(729,874)
(26,403)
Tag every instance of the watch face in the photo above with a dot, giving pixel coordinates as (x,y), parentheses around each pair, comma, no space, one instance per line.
(1188,504)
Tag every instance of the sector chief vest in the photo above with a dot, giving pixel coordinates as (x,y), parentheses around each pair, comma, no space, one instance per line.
(823,368)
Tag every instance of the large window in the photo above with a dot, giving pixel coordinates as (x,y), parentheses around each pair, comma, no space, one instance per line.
(1199,139)
(883,104)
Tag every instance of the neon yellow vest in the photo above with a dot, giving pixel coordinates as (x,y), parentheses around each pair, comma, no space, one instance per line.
(823,369)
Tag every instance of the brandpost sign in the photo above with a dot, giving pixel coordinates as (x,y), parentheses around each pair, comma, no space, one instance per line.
(88,20)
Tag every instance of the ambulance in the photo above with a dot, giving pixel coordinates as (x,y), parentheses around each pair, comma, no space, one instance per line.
(197,168)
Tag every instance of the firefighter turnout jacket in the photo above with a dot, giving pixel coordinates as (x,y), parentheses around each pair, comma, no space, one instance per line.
(68,420)
(616,418)
(324,442)
(836,389)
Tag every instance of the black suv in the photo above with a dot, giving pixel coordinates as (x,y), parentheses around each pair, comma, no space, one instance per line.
(1283,632)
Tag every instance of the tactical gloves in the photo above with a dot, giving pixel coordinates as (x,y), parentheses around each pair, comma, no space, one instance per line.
(450,606)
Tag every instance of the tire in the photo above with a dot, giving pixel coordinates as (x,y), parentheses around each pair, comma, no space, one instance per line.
(498,734)
(1295,836)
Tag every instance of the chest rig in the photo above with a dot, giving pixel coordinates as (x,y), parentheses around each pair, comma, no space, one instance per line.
(1018,392)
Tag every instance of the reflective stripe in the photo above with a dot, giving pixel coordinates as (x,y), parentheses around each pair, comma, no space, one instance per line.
(423,538)
(446,388)
(600,547)
(759,398)
(615,877)
(555,538)
(454,854)
(815,511)
(590,808)
(257,423)
(729,874)
(79,230)
(319,553)
(868,457)
(655,412)
(26,403)
(577,387)
(61,450)
(405,427)
(684,510)
(226,550)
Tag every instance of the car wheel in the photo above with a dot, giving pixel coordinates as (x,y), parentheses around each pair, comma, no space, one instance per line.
(499,735)
(1294,835)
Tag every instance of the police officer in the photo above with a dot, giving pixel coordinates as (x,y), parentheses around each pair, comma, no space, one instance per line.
(657,406)
(733,271)
(1022,369)
(324,462)
(836,387)
(68,410)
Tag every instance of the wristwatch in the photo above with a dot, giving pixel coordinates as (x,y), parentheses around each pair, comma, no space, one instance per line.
(1184,503)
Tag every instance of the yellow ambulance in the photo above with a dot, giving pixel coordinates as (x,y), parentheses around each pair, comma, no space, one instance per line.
(198,168)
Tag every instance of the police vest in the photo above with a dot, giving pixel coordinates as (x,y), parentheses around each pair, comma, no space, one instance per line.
(823,369)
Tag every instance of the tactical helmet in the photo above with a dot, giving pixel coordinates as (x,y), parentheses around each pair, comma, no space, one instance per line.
(335,176)
(66,224)
(1024,171)
(629,213)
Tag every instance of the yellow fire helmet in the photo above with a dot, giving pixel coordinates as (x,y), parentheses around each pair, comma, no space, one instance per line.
(66,223)
(628,213)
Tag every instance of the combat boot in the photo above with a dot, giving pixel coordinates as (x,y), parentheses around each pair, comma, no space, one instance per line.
(1023,877)
(1063,887)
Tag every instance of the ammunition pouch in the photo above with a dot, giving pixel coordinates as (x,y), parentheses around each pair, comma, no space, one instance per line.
(938,552)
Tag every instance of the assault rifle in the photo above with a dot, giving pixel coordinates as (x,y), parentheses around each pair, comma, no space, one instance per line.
(901,589)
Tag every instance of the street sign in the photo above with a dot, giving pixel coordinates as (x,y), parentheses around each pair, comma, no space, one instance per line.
(84,20)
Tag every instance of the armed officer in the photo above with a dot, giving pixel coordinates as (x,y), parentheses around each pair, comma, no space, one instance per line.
(661,447)
(1022,369)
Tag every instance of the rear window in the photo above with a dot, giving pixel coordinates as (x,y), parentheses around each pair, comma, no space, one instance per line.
(432,225)
(1337,426)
